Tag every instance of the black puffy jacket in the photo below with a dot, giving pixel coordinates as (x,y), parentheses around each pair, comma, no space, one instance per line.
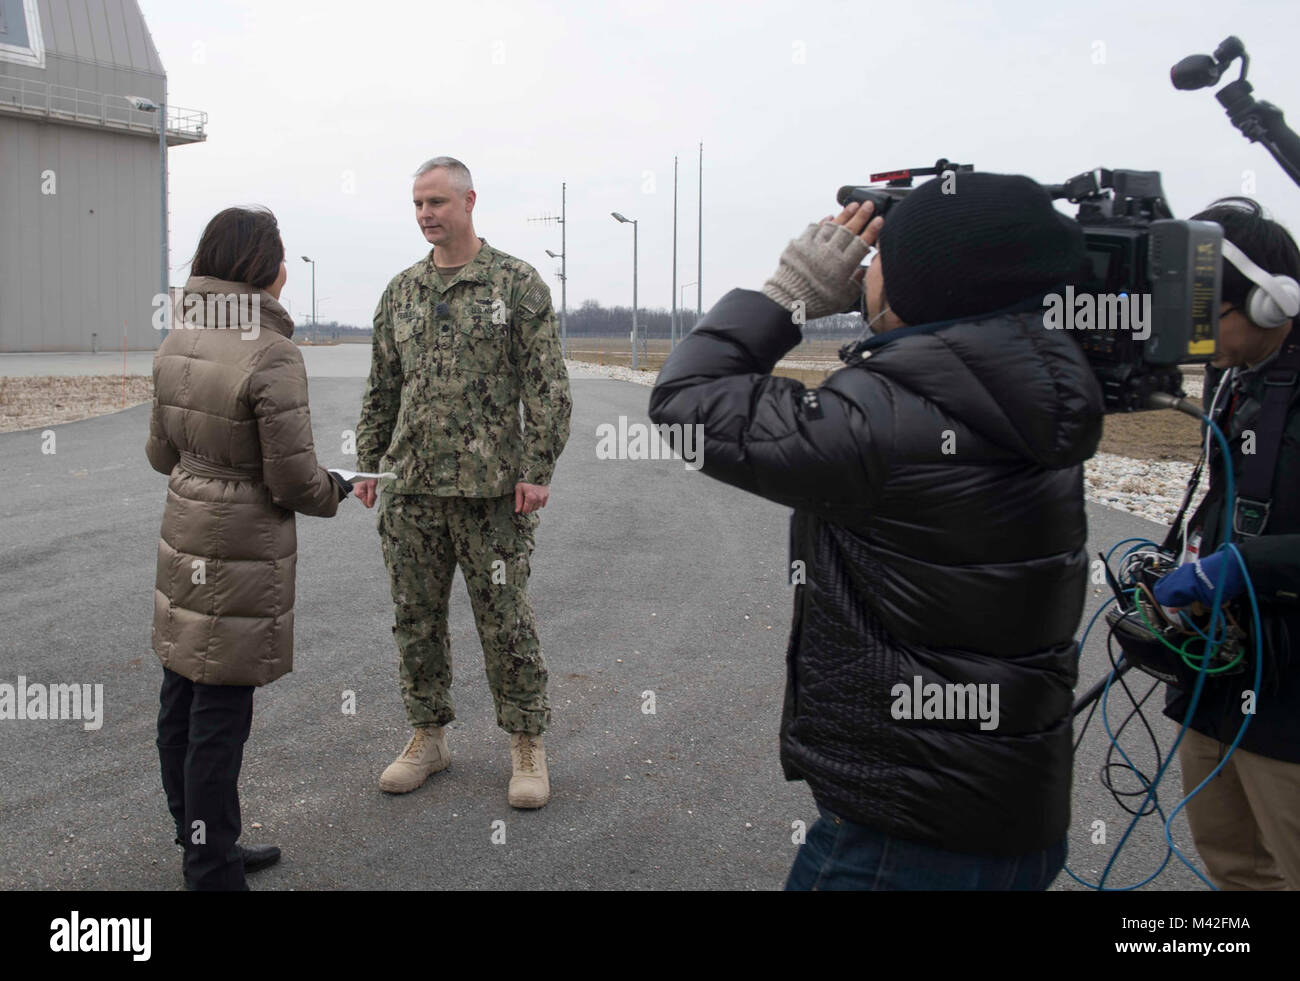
(939,517)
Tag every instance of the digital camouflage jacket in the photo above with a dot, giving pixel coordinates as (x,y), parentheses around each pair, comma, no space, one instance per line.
(450,364)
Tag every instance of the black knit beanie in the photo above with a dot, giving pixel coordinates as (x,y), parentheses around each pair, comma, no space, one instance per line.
(991,242)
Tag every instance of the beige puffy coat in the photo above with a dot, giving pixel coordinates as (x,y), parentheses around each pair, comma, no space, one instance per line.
(231,429)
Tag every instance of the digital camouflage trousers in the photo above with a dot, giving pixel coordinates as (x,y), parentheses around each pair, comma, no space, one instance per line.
(424,538)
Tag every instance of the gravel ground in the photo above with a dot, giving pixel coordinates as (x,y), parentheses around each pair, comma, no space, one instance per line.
(28,403)
(1150,489)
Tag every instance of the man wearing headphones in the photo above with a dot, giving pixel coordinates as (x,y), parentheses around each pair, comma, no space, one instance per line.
(1246,820)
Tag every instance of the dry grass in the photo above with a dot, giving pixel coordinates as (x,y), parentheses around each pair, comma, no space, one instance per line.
(1162,434)
(597,350)
(27,403)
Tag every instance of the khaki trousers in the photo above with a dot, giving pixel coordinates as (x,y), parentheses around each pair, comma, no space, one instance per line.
(1246,821)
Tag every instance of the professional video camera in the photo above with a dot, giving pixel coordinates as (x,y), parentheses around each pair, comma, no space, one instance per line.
(1140,256)
(1148,299)
(898,186)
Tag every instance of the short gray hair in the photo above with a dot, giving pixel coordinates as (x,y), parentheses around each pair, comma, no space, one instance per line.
(458,171)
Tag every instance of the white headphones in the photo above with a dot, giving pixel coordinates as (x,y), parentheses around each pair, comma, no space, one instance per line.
(1274,300)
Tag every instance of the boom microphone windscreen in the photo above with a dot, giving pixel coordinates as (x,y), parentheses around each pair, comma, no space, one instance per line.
(1194,72)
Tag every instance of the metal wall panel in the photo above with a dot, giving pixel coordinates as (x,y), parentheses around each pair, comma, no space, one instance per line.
(101,47)
(77,46)
(114,17)
(84,259)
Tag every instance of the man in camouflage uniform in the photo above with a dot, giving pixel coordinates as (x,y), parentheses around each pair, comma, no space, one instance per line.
(461,339)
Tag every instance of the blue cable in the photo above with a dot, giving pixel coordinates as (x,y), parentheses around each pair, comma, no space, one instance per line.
(1216,629)
(1216,613)
(1100,885)
(1190,624)
(1241,731)
(1143,541)
(1105,696)
(1084,639)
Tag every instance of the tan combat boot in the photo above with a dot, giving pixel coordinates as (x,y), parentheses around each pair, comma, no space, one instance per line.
(425,754)
(530,786)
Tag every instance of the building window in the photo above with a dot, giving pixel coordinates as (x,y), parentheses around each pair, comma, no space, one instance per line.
(20,33)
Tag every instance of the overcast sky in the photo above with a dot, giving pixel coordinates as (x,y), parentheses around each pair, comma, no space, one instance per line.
(322,110)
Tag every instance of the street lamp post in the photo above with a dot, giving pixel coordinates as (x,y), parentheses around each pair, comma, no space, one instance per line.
(672,343)
(633,222)
(564,300)
(682,316)
(313,289)
(563,256)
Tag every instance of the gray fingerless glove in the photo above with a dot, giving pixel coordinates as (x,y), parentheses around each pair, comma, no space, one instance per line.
(816,268)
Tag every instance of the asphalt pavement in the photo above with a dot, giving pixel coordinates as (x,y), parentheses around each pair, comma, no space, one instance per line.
(652,584)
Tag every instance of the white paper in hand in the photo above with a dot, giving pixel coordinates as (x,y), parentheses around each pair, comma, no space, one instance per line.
(351,475)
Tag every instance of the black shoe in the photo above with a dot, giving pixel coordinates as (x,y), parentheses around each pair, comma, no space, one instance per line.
(257,857)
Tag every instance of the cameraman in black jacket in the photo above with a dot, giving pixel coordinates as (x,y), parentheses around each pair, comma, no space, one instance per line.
(1246,821)
(938,534)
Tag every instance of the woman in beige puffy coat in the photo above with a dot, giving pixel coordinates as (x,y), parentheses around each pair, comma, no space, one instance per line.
(231,429)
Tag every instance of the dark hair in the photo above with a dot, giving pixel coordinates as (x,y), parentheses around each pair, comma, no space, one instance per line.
(1268,244)
(240,245)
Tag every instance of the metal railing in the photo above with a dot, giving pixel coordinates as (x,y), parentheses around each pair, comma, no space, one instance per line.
(84,106)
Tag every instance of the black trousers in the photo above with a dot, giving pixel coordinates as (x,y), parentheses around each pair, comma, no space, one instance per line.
(201,734)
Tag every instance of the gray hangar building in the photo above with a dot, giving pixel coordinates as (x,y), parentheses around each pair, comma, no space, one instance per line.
(81,164)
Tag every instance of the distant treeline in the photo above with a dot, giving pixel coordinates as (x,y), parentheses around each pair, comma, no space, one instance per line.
(327,331)
(593,320)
